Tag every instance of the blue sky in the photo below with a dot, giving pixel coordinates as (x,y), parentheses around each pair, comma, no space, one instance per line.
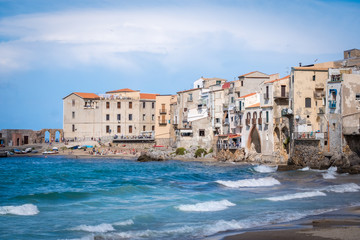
(49,49)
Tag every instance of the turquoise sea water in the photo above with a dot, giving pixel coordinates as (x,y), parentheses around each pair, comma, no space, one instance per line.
(64,198)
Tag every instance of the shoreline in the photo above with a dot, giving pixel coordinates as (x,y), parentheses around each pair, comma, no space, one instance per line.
(343,224)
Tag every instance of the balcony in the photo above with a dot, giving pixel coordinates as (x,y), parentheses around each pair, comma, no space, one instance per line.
(189,99)
(247,121)
(335,78)
(162,123)
(278,95)
(321,110)
(310,135)
(319,86)
(162,111)
(332,104)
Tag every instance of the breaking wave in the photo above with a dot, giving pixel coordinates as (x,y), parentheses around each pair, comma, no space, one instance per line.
(342,188)
(296,196)
(124,223)
(101,228)
(330,173)
(23,210)
(260,182)
(265,169)
(210,206)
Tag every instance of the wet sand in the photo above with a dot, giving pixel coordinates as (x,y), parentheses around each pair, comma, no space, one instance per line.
(342,225)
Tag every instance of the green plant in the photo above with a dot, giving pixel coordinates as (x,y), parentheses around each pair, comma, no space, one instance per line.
(200,152)
(180,151)
(211,150)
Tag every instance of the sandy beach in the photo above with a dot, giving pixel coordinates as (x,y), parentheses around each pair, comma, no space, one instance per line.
(341,225)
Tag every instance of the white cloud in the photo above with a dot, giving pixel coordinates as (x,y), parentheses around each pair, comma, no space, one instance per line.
(106,37)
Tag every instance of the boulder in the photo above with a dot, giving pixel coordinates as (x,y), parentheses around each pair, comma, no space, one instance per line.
(147,157)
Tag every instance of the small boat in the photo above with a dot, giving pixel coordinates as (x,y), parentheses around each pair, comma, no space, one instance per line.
(50,152)
(17,151)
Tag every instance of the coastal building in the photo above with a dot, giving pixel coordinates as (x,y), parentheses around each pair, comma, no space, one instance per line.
(164,131)
(125,113)
(20,137)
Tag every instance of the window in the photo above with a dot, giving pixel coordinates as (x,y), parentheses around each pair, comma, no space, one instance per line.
(267,116)
(119,117)
(152,117)
(118,129)
(202,132)
(119,105)
(283,90)
(152,128)
(218,82)
(314,78)
(108,129)
(130,129)
(130,105)
(144,128)
(130,117)
(232,99)
(292,78)
(232,119)
(267,92)
(144,104)
(242,83)
(152,105)
(73,115)
(73,102)
(107,117)
(217,120)
(107,105)
(143,117)
(308,102)
(73,128)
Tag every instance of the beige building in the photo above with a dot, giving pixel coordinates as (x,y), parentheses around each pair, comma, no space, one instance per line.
(164,130)
(125,113)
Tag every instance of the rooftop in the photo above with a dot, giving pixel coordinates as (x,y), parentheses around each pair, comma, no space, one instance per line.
(248,95)
(256,105)
(122,90)
(284,78)
(151,96)
(85,95)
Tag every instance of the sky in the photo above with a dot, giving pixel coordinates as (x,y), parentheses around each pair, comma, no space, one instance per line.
(49,49)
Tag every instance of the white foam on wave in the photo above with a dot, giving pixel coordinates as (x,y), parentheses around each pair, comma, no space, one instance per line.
(260,182)
(101,228)
(296,196)
(265,169)
(210,206)
(330,173)
(124,223)
(342,188)
(23,210)
(305,169)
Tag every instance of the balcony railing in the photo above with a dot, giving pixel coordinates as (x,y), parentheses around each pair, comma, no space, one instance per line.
(318,94)
(281,95)
(332,104)
(319,86)
(189,99)
(162,123)
(162,111)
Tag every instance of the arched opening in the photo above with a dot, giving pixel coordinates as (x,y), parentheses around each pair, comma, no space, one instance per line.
(17,141)
(47,136)
(57,136)
(286,139)
(254,140)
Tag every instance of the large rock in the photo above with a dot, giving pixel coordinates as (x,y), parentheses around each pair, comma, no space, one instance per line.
(150,157)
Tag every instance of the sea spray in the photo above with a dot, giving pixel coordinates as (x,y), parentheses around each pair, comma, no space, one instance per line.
(210,206)
(23,210)
(260,182)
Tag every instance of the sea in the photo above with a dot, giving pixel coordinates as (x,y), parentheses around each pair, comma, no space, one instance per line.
(58,197)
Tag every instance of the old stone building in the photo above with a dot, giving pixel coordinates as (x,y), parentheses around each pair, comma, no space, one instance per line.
(164,130)
(125,113)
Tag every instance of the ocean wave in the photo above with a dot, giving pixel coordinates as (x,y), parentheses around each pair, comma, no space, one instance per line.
(304,169)
(342,188)
(265,169)
(260,182)
(124,223)
(210,206)
(296,196)
(23,210)
(101,228)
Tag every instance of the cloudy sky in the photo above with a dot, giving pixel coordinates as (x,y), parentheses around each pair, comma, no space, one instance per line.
(49,49)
